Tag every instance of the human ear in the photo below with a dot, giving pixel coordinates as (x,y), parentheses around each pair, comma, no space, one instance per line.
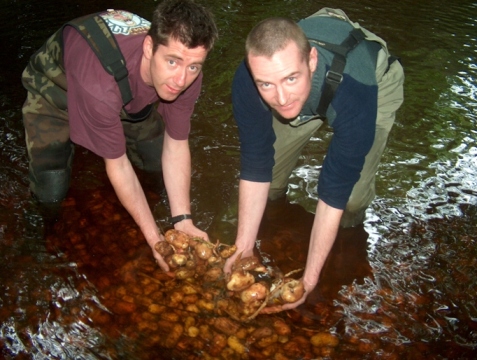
(147,47)
(313,62)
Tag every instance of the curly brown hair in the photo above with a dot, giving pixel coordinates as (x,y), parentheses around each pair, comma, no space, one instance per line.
(183,20)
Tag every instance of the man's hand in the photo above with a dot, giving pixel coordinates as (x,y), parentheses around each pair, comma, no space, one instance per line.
(252,201)
(159,259)
(231,260)
(188,227)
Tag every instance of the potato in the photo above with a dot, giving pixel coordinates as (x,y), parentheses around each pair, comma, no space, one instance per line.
(240,280)
(174,335)
(226,325)
(281,327)
(156,308)
(192,331)
(235,344)
(324,339)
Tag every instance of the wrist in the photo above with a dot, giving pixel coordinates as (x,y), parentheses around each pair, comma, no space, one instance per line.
(309,283)
(176,219)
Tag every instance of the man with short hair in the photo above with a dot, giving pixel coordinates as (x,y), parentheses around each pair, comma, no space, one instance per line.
(277,93)
(124,89)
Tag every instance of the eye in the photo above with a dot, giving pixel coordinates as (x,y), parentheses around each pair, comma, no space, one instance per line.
(171,62)
(194,68)
(265,85)
(291,79)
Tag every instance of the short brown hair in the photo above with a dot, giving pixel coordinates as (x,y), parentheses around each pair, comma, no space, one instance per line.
(274,34)
(183,20)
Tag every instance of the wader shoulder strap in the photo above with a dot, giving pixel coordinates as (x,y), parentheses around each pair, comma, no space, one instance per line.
(334,76)
(100,38)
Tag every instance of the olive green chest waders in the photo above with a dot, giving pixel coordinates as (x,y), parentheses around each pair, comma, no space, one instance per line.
(45,116)
(291,138)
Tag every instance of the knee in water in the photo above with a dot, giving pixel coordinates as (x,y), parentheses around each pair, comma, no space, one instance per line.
(50,186)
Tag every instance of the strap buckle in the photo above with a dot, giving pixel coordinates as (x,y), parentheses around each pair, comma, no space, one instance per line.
(334,77)
(120,72)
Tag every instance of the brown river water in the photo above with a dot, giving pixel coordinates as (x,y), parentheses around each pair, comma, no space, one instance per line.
(83,284)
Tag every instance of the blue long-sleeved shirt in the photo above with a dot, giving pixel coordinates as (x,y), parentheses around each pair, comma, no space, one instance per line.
(352,115)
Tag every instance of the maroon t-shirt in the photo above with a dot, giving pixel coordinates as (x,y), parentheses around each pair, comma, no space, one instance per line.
(94,100)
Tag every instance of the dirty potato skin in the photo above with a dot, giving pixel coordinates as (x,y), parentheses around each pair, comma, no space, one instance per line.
(292,291)
(256,291)
(164,248)
(178,239)
(240,280)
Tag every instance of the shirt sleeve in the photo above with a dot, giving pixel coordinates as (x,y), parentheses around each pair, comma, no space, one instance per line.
(353,135)
(254,121)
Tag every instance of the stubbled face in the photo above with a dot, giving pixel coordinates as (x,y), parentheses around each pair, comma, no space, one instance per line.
(172,68)
(284,80)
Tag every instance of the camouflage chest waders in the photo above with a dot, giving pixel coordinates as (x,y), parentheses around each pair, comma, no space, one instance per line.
(45,116)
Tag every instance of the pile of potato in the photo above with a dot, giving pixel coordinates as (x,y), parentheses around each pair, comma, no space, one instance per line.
(200,313)
(244,292)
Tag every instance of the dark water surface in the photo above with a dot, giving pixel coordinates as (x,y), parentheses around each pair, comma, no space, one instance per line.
(403,286)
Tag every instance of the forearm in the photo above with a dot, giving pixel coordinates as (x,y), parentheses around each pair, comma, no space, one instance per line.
(176,166)
(130,193)
(323,235)
(252,201)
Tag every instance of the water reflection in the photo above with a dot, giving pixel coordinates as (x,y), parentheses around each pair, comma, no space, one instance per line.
(401,287)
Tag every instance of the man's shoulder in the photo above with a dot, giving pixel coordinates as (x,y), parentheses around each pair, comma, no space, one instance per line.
(243,80)
(242,71)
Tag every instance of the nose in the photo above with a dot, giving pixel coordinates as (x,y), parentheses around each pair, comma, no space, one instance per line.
(180,78)
(282,95)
